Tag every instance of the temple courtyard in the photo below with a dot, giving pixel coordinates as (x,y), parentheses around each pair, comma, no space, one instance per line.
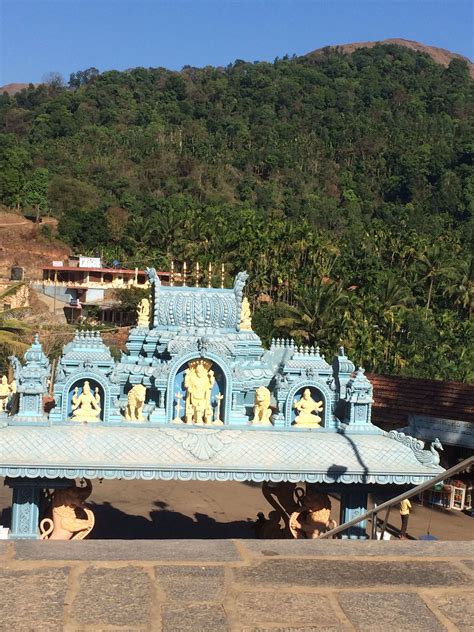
(176,509)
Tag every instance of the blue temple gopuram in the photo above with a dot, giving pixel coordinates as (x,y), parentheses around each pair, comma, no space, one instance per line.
(197,397)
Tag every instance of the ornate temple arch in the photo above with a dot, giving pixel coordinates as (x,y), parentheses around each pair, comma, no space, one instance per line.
(217,361)
(311,384)
(79,378)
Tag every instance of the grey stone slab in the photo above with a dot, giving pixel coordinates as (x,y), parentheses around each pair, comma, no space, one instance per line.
(285,609)
(191,583)
(113,596)
(193,618)
(390,612)
(310,628)
(458,608)
(350,573)
(125,550)
(33,599)
(351,548)
(3,549)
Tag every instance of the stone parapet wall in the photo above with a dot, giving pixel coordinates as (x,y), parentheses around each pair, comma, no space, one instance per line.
(248,585)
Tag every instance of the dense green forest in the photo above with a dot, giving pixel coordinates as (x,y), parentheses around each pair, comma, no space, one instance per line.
(343,184)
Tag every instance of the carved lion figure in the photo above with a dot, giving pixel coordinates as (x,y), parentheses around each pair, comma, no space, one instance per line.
(136,402)
(262,411)
(71,519)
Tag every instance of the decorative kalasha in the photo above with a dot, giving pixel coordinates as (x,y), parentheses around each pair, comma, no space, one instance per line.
(262,411)
(6,392)
(71,518)
(198,382)
(86,406)
(135,403)
(307,407)
(197,397)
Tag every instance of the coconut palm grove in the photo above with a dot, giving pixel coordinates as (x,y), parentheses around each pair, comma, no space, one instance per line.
(342,183)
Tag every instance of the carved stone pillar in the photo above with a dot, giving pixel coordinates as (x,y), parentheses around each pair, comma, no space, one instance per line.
(353,504)
(27,503)
(25,509)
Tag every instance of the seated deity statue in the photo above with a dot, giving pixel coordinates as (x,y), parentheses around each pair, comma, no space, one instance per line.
(135,403)
(262,411)
(198,382)
(71,518)
(143,313)
(245,316)
(6,391)
(86,406)
(306,406)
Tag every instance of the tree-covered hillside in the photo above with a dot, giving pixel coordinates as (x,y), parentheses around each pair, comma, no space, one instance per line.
(343,184)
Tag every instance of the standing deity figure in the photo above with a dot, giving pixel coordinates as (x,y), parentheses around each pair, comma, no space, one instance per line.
(86,406)
(135,403)
(245,316)
(306,406)
(71,518)
(143,313)
(198,382)
(262,411)
(6,391)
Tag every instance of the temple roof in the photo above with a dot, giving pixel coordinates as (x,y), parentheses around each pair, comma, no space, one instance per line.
(176,452)
(395,398)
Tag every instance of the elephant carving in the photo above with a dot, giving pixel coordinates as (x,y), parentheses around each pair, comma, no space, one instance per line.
(71,518)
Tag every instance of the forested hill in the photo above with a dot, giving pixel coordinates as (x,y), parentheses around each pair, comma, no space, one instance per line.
(342,183)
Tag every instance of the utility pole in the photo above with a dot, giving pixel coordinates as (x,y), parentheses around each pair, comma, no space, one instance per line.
(55,286)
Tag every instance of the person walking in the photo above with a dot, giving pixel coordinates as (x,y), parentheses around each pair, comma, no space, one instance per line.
(405,506)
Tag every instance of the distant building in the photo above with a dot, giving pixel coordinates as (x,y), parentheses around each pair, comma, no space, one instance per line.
(83,287)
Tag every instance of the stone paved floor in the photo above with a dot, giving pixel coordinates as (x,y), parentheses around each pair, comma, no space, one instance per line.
(236,585)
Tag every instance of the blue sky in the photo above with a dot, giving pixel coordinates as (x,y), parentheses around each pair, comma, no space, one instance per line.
(40,36)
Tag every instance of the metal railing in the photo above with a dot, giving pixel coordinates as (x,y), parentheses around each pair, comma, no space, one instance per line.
(372,513)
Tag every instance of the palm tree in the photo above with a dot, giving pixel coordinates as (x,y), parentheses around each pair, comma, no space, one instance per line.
(12,331)
(318,315)
(434,266)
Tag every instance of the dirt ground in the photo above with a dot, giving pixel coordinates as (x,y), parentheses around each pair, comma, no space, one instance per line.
(177,509)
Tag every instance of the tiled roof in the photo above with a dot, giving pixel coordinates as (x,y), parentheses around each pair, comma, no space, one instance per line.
(171,451)
(395,398)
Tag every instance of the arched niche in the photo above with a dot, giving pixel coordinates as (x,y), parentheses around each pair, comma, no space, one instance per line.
(96,380)
(319,392)
(222,385)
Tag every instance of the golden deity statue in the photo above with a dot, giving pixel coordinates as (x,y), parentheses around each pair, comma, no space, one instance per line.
(6,390)
(143,313)
(198,382)
(86,406)
(245,316)
(306,406)
(71,518)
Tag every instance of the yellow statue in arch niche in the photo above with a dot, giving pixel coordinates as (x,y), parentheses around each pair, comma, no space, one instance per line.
(198,382)
(86,406)
(306,406)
